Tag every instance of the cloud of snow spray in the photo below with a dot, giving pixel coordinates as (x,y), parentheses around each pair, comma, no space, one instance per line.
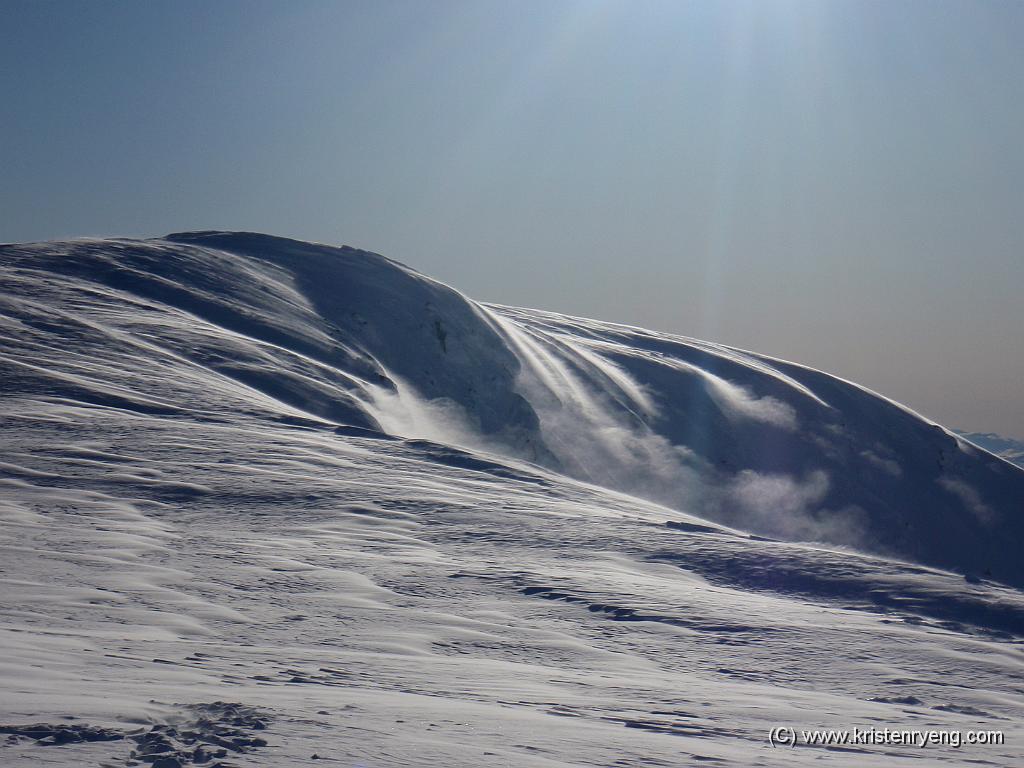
(593,418)
(404,412)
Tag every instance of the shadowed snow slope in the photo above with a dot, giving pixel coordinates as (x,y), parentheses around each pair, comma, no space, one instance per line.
(243,321)
(266,497)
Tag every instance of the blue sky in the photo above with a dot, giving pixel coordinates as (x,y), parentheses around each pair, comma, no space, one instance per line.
(837,183)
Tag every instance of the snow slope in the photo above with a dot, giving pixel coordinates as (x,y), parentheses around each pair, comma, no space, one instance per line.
(391,526)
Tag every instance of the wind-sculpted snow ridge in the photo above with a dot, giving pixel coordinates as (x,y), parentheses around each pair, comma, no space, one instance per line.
(395,527)
(295,329)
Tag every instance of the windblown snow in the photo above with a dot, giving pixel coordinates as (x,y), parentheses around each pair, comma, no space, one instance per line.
(263,500)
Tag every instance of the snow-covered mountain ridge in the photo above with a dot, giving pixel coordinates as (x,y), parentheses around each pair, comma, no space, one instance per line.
(277,499)
(258,323)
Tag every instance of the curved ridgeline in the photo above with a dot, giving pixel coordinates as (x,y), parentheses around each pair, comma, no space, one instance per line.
(277,328)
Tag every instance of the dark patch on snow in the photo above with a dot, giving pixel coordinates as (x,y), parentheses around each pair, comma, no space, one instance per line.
(454,457)
(726,632)
(46,734)
(205,734)
(678,525)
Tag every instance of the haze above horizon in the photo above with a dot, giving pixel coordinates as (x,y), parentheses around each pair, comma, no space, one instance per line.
(837,184)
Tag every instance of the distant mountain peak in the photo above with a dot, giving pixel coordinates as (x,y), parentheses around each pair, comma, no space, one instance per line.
(1007,448)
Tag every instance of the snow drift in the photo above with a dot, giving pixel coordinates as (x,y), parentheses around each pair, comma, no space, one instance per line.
(214,323)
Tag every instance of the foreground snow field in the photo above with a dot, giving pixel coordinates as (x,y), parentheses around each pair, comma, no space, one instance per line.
(276,500)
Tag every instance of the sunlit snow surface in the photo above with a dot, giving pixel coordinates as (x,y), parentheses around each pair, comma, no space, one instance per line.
(407,529)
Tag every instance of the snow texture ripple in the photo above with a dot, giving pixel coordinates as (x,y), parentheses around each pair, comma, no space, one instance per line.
(262,500)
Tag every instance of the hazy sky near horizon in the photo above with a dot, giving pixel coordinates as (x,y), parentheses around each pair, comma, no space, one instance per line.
(837,183)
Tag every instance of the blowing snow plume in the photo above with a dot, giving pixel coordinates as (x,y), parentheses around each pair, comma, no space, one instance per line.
(281,329)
